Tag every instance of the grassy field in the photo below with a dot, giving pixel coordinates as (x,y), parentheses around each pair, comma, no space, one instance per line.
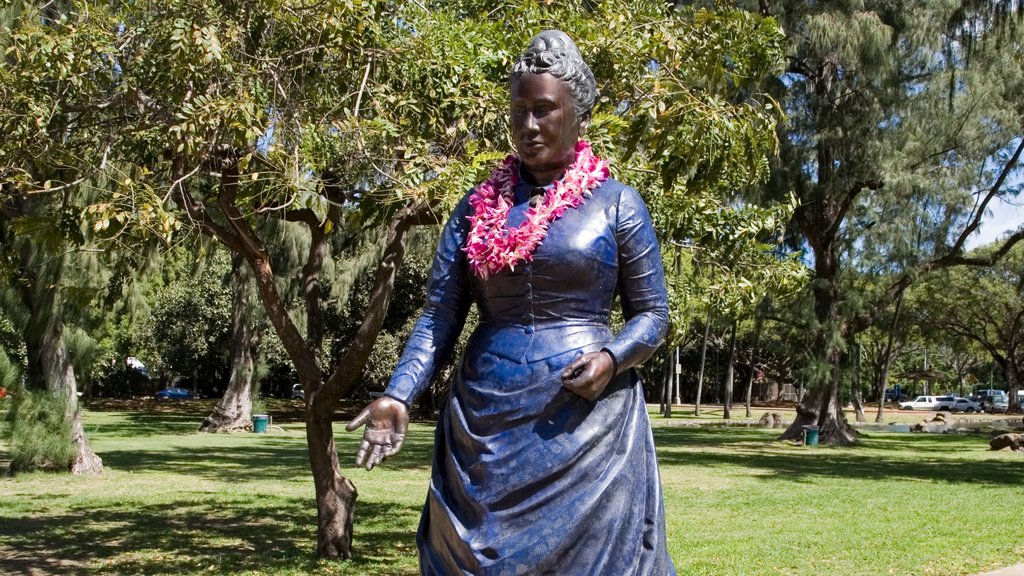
(173,501)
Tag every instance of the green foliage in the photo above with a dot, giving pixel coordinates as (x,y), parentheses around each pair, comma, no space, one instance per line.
(12,352)
(190,325)
(702,120)
(258,406)
(381,364)
(984,305)
(38,432)
(407,301)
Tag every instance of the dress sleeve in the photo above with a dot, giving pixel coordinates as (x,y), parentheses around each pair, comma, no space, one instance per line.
(444,314)
(641,284)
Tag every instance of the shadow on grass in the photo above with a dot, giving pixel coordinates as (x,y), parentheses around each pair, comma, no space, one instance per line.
(933,457)
(187,536)
(144,424)
(257,456)
(284,411)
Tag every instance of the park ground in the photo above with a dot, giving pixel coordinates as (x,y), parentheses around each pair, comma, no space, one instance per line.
(174,501)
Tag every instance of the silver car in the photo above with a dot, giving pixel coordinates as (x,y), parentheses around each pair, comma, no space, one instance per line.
(965,405)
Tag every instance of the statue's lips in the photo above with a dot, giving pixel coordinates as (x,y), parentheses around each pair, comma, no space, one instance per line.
(532,145)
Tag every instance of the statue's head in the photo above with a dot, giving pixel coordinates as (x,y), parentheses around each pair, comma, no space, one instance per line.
(553,52)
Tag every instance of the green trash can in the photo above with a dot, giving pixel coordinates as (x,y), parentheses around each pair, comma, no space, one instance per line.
(259,423)
(810,435)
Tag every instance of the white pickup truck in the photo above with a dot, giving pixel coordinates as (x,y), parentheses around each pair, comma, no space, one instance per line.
(921,403)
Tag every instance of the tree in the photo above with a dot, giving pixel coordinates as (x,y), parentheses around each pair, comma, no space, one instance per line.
(986,306)
(234,411)
(227,116)
(42,236)
(891,134)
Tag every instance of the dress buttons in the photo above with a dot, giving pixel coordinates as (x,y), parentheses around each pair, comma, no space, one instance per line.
(528,330)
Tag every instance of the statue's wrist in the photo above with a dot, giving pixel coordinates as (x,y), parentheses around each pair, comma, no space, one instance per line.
(615,362)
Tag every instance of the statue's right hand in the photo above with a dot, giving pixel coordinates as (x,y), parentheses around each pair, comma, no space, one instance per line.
(386,421)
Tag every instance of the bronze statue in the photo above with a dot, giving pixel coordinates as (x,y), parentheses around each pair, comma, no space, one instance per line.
(544,459)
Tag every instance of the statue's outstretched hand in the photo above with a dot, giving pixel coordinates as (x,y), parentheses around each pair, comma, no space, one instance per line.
(386,421)
(589,374)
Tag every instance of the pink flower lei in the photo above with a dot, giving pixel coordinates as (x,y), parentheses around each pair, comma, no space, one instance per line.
(492,245)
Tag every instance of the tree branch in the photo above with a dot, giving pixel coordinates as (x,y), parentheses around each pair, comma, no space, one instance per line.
(346,372)
(955,257)
(844,206)
(195,210)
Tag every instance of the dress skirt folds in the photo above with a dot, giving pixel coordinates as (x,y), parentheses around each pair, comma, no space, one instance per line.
(529,478)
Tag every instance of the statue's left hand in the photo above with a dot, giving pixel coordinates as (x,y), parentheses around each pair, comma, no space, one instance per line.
(589,374)
(386,421)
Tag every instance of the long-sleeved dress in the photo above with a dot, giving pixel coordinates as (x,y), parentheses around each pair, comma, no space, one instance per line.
(529,478)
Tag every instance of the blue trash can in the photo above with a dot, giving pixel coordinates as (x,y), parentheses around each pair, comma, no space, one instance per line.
(259,423)
(810,435)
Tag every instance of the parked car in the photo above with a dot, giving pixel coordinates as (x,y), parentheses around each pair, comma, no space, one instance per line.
(965,405)
(892,395)
(298,392)
(991,392)
(174,394)
(997,404)
(990,398)
(920,403)
(944,402)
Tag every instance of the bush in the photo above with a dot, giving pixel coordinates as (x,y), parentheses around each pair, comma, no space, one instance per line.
(38,432)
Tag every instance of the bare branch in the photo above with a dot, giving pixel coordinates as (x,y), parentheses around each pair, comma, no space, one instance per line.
(992,193)
(362,86)
(847,202)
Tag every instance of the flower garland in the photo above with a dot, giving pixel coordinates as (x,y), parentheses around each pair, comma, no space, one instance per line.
(492,245)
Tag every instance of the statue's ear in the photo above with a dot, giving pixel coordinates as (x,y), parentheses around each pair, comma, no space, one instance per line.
(584,123)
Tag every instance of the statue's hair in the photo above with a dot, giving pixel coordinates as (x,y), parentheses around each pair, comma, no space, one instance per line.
(553,52)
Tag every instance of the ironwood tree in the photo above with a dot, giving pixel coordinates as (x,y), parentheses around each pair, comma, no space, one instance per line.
(899,136)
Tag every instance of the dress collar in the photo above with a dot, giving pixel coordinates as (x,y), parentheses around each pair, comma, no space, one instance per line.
(525,190)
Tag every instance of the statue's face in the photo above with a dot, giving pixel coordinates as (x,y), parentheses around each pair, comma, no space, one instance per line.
(545,128)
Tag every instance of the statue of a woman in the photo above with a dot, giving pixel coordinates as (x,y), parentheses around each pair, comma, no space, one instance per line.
(544,459)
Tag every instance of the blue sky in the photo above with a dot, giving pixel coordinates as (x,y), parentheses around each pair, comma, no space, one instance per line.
(1002,216)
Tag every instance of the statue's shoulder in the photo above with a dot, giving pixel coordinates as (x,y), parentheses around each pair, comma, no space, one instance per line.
(612,190)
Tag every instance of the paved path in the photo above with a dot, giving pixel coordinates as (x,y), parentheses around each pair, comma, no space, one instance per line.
(1017,570)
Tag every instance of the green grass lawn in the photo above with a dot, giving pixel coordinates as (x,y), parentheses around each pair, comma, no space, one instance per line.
(173,501)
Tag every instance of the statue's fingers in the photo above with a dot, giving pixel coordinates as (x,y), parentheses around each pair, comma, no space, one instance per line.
(375,457)
(358,421)
(362,453)
(395,447)
(574,367)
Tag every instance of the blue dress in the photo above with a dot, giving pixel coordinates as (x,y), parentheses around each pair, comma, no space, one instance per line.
(529,478)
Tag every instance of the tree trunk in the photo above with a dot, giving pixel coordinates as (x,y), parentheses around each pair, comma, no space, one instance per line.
(1012,371)
(234,411)
(729,373)
(858,405)
(758,325)
(335,494)
(59,374)
(820,405)
(666,388)
(676,377)
(887,358)
(703,361)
